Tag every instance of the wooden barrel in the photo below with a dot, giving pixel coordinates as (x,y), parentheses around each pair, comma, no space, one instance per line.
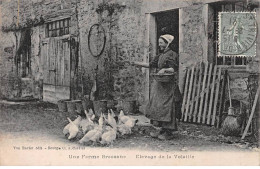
(87,104)
(71,105)
(100,106)
(129,106)
(62,105)
(79,107)
(111,104)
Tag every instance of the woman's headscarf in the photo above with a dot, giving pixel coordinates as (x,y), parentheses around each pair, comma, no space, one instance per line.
(168,38)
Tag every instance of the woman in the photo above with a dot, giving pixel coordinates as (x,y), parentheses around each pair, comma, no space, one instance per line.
(165,102)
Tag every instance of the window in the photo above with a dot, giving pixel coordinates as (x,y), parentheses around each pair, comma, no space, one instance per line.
(228,6)
(23,56)
(58,28)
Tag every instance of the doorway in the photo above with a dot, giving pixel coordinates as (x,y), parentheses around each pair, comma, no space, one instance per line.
(168,23)
(161,23)
(56,68)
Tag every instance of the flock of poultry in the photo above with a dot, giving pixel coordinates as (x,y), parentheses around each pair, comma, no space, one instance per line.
(104,131)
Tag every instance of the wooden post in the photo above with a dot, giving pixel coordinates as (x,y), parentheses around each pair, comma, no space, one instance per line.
(251,114)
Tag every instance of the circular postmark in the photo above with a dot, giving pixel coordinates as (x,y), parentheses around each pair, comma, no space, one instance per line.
(237,33)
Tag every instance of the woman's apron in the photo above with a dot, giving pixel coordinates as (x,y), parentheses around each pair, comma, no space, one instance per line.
(163,106)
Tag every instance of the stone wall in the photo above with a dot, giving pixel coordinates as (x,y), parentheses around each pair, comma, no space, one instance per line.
(193,37)
(124,29)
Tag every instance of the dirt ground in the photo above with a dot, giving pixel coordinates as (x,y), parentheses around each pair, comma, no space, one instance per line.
(35,122)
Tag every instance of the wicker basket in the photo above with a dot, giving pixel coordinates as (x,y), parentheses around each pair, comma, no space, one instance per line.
(163,77)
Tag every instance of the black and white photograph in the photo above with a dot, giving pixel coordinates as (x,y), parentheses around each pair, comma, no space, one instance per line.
(129,82)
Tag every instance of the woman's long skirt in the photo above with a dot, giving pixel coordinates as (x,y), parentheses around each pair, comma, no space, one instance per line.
(164,105)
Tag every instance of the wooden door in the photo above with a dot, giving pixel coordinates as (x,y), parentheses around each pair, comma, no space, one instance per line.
(56,64)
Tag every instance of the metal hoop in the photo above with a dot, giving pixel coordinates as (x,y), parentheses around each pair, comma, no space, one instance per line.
(104,43)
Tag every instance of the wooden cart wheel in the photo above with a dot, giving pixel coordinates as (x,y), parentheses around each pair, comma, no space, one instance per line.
(96,40)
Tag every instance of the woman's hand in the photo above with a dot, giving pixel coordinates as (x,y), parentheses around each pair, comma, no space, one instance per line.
(141,64)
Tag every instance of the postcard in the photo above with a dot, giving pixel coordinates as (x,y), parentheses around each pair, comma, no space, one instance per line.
(129,82)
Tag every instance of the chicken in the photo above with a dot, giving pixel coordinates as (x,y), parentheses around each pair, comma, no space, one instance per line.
(76,122)
(91,114)
(95,134)
(112,113)
(124,129)
(122,117)
(73,130)
(86,124)
(111,120)
(110,135)
(125,123)
(131,122)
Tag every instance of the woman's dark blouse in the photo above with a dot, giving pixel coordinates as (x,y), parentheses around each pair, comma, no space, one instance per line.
(167,59)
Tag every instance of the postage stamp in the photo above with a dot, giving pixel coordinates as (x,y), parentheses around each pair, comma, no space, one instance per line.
(237,34)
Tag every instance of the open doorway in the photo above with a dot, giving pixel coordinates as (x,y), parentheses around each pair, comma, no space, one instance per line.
(168,23)
(160,23)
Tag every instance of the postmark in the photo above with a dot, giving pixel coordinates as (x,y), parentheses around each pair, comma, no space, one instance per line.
(237,34)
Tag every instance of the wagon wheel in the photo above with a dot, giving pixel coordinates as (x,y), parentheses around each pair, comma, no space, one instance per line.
(96,40)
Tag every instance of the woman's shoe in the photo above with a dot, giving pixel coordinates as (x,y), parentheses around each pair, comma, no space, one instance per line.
(155,133)
(165,136)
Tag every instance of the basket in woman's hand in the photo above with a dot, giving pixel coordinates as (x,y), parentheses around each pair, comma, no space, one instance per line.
(165,77)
